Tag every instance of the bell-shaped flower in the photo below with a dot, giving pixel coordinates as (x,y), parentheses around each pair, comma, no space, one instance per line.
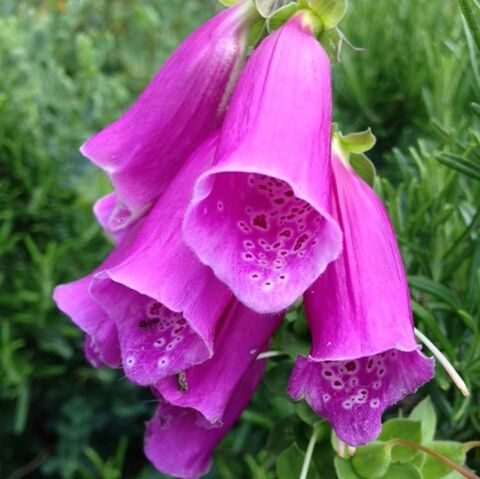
(364,357)
(180,441)
(164,302)
(259,217)
(74,299)
(198,408)
(186,100)
(241,335)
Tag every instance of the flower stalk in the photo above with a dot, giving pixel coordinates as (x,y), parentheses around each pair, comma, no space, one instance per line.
(443,360)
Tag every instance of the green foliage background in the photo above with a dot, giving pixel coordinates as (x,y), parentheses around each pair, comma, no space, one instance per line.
(70,67)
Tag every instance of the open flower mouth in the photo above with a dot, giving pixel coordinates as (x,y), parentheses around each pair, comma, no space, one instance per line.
(353,394)
(155,341)
(263,240)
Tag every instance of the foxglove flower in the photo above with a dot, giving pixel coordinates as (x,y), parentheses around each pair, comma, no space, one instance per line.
(241,335)
(164,302)
(144,149)
(364,357)
(74,299)
(198,408)
(259,217)
(180,442)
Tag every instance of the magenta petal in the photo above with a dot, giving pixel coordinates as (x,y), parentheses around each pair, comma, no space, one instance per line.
(208,387)
(364,356)
(165,303)
(260,217)
(114,217)
(353,394)
(101,343)
(144,149)
(179,442)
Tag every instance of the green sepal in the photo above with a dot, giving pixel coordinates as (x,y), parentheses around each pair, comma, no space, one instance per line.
(266,8)
(363,167)
(330,12)
(372,461)
(289,464)
(406,429)
(426,414)
(280,16)
(351,150)
(359,142)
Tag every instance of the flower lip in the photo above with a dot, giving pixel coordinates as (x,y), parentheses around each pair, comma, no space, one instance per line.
(352,394)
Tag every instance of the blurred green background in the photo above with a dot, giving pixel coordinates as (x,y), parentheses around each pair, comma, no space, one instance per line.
(69,67)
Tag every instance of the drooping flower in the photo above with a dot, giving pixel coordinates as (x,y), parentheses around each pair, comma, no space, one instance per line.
(241,335)
(74,299)
(164,302)
(259,217)
(198,409)
(364,357)
(186,100)
(180,441)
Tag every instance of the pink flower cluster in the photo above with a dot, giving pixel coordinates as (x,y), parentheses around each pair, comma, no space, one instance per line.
(229,204)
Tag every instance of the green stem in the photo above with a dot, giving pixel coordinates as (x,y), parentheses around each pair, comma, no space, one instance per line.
(435,455)
(467,10)
(309,454)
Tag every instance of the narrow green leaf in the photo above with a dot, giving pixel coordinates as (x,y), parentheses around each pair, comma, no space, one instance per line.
(438,290)
(457,162)
(471,16)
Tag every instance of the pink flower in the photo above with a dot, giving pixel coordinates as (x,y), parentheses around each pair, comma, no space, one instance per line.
(364,357)
(259,217)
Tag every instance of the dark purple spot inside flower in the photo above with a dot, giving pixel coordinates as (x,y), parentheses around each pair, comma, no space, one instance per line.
(260,221)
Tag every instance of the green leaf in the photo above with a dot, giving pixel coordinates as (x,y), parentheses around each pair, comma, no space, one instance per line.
(426,414)
(461,164)
(280,16)
(434,469)
(402,471)
(402,429)
(363,167)
(438,290)
(330,12)
(471,12)
(289,464)
(344,469)
(372,461)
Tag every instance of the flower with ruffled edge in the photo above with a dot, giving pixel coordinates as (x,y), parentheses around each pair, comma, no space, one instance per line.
(364,357)
(260,216)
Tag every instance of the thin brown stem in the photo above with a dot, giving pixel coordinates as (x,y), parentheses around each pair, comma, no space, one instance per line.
(461,470)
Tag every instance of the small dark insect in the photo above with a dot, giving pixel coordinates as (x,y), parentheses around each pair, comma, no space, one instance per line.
(145,323)
(182,382)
